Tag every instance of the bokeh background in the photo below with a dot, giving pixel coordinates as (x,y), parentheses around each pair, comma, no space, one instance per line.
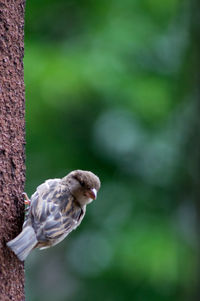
(112,87)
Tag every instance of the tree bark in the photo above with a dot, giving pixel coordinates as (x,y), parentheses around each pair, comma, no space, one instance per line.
(12,141)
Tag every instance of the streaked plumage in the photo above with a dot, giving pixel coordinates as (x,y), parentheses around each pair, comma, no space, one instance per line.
(56,208)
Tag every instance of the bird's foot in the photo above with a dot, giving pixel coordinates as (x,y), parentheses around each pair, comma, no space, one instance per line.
(27,200)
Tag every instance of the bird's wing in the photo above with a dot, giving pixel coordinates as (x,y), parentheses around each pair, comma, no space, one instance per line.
(43,201)
(57,226)
(52,210)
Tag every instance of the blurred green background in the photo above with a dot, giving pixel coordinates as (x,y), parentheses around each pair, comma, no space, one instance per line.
(111,87)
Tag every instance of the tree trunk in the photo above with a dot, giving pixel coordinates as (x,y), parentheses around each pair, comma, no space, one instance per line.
(12,141)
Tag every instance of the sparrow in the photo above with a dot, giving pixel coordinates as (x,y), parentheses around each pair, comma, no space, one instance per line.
(56,208)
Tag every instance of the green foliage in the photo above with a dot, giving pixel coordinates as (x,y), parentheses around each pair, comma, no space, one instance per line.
(106,91)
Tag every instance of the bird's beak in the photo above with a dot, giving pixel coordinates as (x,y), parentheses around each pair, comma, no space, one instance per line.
(92,193)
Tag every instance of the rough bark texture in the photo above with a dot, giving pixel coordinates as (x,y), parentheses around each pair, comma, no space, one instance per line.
(12,140)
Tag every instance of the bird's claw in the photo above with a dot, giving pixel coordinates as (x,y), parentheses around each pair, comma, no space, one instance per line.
(26,201)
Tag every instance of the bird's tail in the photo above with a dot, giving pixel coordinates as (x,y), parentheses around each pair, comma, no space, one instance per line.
(23,243)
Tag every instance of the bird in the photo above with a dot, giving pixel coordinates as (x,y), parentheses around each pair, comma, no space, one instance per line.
(55,209)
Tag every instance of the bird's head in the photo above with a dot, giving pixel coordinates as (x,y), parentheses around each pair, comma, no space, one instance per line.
(83,185)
